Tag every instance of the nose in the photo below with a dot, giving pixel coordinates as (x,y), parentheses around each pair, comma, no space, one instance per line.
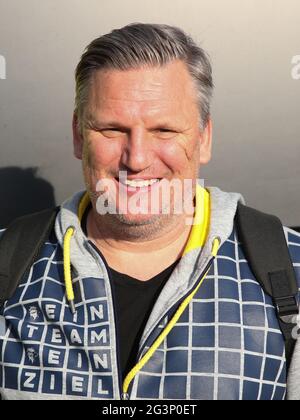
(137,154)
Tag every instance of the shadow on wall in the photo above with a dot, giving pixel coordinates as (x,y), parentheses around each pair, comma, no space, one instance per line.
(22,192)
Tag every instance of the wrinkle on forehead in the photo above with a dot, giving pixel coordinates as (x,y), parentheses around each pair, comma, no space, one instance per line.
(143,84)
(144,94)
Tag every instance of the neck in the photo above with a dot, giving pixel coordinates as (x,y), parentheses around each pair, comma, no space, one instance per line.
(155,252)
(117,236)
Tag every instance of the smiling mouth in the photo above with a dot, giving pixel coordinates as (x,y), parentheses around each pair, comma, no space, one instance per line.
(138,183)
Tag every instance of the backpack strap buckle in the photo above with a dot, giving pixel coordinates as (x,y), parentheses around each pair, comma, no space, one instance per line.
(284,298)
(286,306)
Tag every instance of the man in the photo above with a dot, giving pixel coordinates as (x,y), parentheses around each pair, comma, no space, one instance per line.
(144,304)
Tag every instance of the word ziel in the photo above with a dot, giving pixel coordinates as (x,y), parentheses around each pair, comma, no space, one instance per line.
(2,68)
(52,384)
(296,67)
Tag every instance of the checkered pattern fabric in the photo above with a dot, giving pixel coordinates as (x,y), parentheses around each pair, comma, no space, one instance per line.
(226,346)
(43,347)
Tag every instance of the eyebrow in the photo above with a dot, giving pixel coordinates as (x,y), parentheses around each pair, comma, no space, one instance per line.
(102,125)
(93,123)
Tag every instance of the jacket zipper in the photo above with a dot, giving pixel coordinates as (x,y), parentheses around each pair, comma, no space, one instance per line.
(205,270)
(125,396)
(122,396)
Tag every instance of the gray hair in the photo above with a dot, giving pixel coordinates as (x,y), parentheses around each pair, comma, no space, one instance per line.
(141,44)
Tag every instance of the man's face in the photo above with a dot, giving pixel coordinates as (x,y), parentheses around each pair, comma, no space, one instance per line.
(144,121)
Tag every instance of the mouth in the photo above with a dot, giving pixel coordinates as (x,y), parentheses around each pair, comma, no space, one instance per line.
(138,185)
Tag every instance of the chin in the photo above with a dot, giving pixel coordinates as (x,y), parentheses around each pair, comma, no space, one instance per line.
(138,219)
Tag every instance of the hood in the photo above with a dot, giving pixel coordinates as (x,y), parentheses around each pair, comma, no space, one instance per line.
(223,206)
(85,262)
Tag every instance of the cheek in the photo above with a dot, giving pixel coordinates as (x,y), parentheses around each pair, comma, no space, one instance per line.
(181,156)
(101,153)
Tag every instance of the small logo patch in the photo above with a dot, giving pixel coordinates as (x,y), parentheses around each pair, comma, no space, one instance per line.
(33,312)
(31,354)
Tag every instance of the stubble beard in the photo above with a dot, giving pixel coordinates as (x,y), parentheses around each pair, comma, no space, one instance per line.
(137,228)
(133,227)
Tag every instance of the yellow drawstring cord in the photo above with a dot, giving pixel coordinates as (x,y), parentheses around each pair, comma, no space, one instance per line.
(168,328)
(197,235)
(200,228)
(67,255)
(67,268)
(70,292)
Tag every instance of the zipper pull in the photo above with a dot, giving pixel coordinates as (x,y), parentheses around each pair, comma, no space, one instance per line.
(125,396)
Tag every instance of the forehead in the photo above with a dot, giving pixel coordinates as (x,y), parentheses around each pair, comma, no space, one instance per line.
(144,89)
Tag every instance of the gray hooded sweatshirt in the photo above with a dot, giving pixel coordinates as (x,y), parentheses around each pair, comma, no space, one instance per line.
(226,344)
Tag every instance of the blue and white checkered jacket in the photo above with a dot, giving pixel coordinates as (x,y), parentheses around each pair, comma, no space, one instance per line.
(226,345)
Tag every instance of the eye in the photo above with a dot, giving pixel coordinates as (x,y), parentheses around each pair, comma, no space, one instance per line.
(111,132)
(165,133)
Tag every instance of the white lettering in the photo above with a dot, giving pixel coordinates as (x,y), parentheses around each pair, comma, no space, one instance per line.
(75,337)
(107,190)
(79,361)
(50,310)
(28,383)
(97,312)
(52,383)
(31,328)
(138,204)
(56,336)
(2,68)
(128,411)
(75,316)
(100,388)
(77,384)
(100,361)
(53,357)
(98,337)
(296,68)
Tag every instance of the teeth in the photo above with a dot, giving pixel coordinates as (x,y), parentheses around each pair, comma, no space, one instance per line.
(140,183)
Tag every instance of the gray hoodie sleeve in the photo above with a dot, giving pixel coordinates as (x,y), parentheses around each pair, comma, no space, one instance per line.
(293,383)
(293,380)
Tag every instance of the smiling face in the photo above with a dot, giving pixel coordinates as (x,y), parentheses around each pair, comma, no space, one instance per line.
(144,121)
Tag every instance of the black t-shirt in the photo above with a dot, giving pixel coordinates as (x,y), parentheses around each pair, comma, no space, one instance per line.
(133,301)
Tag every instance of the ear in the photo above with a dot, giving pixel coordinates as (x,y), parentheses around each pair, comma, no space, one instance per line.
(77,137)
(206,144)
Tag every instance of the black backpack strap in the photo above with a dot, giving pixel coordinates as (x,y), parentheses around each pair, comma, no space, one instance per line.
(265,247)
(20,245)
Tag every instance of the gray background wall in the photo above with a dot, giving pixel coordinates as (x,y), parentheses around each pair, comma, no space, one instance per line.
(255,108)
